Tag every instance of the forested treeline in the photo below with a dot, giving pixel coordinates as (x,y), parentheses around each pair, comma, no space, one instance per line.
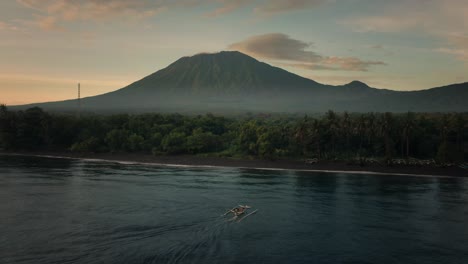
(331,136)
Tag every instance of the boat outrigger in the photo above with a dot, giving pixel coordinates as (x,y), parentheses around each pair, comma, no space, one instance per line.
(239,212)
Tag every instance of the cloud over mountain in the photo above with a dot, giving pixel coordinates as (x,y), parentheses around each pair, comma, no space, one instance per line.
(296,53)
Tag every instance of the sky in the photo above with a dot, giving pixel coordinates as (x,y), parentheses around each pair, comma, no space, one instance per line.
(48,46)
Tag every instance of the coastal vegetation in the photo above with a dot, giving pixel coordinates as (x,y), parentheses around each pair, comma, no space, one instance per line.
(329,136)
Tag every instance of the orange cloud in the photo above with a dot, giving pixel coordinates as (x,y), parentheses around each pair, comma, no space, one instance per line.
(350,63)
(48,23)
(273,7)
(227,7)
(458,46)
(52,13)
(7,26)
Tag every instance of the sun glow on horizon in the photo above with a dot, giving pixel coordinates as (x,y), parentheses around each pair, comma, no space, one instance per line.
(48,46)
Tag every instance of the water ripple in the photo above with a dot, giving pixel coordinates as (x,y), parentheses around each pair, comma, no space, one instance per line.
(62,211)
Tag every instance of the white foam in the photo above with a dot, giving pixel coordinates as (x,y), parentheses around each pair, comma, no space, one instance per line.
(175,165)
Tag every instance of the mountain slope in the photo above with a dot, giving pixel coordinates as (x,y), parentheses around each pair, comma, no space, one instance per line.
(225,74)
(232,81)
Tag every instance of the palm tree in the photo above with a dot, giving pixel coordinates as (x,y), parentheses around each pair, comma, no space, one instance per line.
(332,127)
(371,128)
(360,129)
(300,134)
(444,128)
(408,125)
(346,130)
(316,133)
(459,126)
(385,126)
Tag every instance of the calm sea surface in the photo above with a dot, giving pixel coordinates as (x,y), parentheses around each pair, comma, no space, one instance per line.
(71,211)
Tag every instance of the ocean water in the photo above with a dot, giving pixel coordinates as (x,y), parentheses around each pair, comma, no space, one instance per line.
(75,211)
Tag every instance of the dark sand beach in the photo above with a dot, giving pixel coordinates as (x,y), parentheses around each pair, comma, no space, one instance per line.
(280,164)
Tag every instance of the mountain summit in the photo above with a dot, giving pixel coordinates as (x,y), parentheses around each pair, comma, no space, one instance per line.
(357,84)
(227,73)
(233,81)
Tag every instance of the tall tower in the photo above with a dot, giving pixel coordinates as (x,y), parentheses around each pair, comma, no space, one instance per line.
(79,100)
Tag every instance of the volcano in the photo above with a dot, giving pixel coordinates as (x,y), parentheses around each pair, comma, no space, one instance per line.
(232,81)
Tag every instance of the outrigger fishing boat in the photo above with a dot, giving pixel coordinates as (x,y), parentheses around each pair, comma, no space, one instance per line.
(239,212)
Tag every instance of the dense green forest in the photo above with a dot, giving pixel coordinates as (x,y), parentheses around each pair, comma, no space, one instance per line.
(331,136)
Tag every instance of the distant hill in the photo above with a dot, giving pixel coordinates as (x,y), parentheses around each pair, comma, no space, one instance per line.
(233,81)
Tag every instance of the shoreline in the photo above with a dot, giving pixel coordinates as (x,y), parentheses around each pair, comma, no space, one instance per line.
(219,162)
